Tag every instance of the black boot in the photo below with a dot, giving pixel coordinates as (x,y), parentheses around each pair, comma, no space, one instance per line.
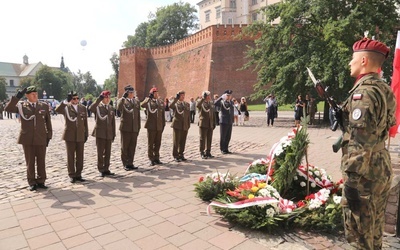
(203,156)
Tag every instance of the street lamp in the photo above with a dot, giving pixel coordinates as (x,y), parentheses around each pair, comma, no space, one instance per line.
(212,75)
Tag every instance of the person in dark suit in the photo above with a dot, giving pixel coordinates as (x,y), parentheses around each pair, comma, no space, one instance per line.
(75,134)
(155,124)
(206,123)
(226,120)
(104,131)
(36,132)
(129,109)
(180,124)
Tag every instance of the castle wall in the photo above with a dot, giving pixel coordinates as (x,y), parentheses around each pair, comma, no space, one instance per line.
(206,60)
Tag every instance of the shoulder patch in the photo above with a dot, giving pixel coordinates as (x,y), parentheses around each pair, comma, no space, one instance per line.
(356,114)
(357,96)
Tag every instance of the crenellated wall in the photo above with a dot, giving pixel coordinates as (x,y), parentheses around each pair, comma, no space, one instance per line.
(206,60)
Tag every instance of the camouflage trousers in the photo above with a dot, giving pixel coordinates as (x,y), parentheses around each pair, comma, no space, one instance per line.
(364,228)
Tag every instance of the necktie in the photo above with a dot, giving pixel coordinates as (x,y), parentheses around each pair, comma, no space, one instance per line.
(33,105)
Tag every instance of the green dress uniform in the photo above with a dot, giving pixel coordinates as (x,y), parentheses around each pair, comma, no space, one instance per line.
(368,114)
(181,125)
(155,124)
(206,124)
(36,132)
(75,135)
(129,129)
(104,131)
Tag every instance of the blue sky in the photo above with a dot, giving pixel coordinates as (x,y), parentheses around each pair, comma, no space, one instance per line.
(45,30)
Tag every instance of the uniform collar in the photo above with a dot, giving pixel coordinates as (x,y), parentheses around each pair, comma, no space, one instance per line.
(363,77)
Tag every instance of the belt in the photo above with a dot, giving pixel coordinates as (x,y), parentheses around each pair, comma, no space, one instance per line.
(378,147)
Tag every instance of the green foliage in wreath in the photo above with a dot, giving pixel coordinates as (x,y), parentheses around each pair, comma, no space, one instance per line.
(286,163)
(328,218)
(210,188)
(258,168)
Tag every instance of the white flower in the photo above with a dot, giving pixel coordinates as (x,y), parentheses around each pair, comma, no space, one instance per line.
(317,173)
(337,199)
(317,180)
(313,185)
(270,212)
(263,192)
(303,184)
(315,204)
(295,178)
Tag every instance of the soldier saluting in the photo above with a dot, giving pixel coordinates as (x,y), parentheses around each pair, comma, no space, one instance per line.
(75,134)
(104,131)
(368,113)
(180,124)
(129,109)
(206,124)
(36,132)
(226,120)
(155,124)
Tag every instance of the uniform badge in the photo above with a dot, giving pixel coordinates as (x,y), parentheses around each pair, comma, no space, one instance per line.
(357,96)
(356,114)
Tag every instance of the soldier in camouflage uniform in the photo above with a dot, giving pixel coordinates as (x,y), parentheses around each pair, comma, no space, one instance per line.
(368,113)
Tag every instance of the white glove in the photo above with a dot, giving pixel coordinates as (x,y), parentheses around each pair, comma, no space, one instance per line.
(224,97)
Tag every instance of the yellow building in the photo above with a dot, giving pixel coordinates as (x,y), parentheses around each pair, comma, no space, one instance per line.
(213,12)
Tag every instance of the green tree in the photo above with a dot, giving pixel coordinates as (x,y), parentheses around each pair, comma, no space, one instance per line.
(110,85)
(26,82)
(3,91)
(318,34)
(168,25)
(54,81)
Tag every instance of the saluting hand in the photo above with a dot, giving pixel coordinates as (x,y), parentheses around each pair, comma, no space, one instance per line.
(69,97)
(21,93)
(178,95)
(101,97)
(125,94)
(151,95)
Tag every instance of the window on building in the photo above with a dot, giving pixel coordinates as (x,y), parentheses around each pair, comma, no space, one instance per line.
(253,2)
(230,21)
(12,83)
(218,12)
(208,15)
(254,17)
(232,4)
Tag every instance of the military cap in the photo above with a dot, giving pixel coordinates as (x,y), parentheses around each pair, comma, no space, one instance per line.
(206,93)
(228,92)
(74,93)
(106,93)
(181,92)
(366,44)
(152,90)
(129,88)
(31,89)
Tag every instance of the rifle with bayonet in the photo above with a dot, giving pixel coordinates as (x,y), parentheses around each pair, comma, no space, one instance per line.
(336,109)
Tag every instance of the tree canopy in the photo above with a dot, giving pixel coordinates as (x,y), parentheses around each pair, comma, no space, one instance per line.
(3,94)
(318,34)
(168,25)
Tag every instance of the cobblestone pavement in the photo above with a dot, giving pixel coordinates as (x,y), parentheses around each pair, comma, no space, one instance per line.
(152,208)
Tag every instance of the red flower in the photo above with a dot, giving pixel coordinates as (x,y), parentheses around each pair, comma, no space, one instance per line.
(201,179)
(301,204)
(310,197)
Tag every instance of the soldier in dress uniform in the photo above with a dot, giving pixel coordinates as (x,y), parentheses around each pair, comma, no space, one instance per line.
(155,124)
(36,132)
(206,123)
(75,134)
(226,106)
(129,108)
(180,124)
(368,113)
(104,131)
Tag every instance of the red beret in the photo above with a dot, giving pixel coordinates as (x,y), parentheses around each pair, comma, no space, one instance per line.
(153,90)
(366,44)
(106,93)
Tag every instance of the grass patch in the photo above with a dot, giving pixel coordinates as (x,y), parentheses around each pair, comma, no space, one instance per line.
(285,107)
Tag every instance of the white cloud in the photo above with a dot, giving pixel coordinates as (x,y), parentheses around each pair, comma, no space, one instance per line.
(45,30)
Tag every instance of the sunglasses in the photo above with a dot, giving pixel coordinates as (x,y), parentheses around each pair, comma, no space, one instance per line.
(75,98)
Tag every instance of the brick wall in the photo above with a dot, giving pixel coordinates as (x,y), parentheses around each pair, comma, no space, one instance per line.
(207,60)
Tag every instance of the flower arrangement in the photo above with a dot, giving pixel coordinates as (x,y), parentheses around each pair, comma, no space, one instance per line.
(214,185)
(273,191)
